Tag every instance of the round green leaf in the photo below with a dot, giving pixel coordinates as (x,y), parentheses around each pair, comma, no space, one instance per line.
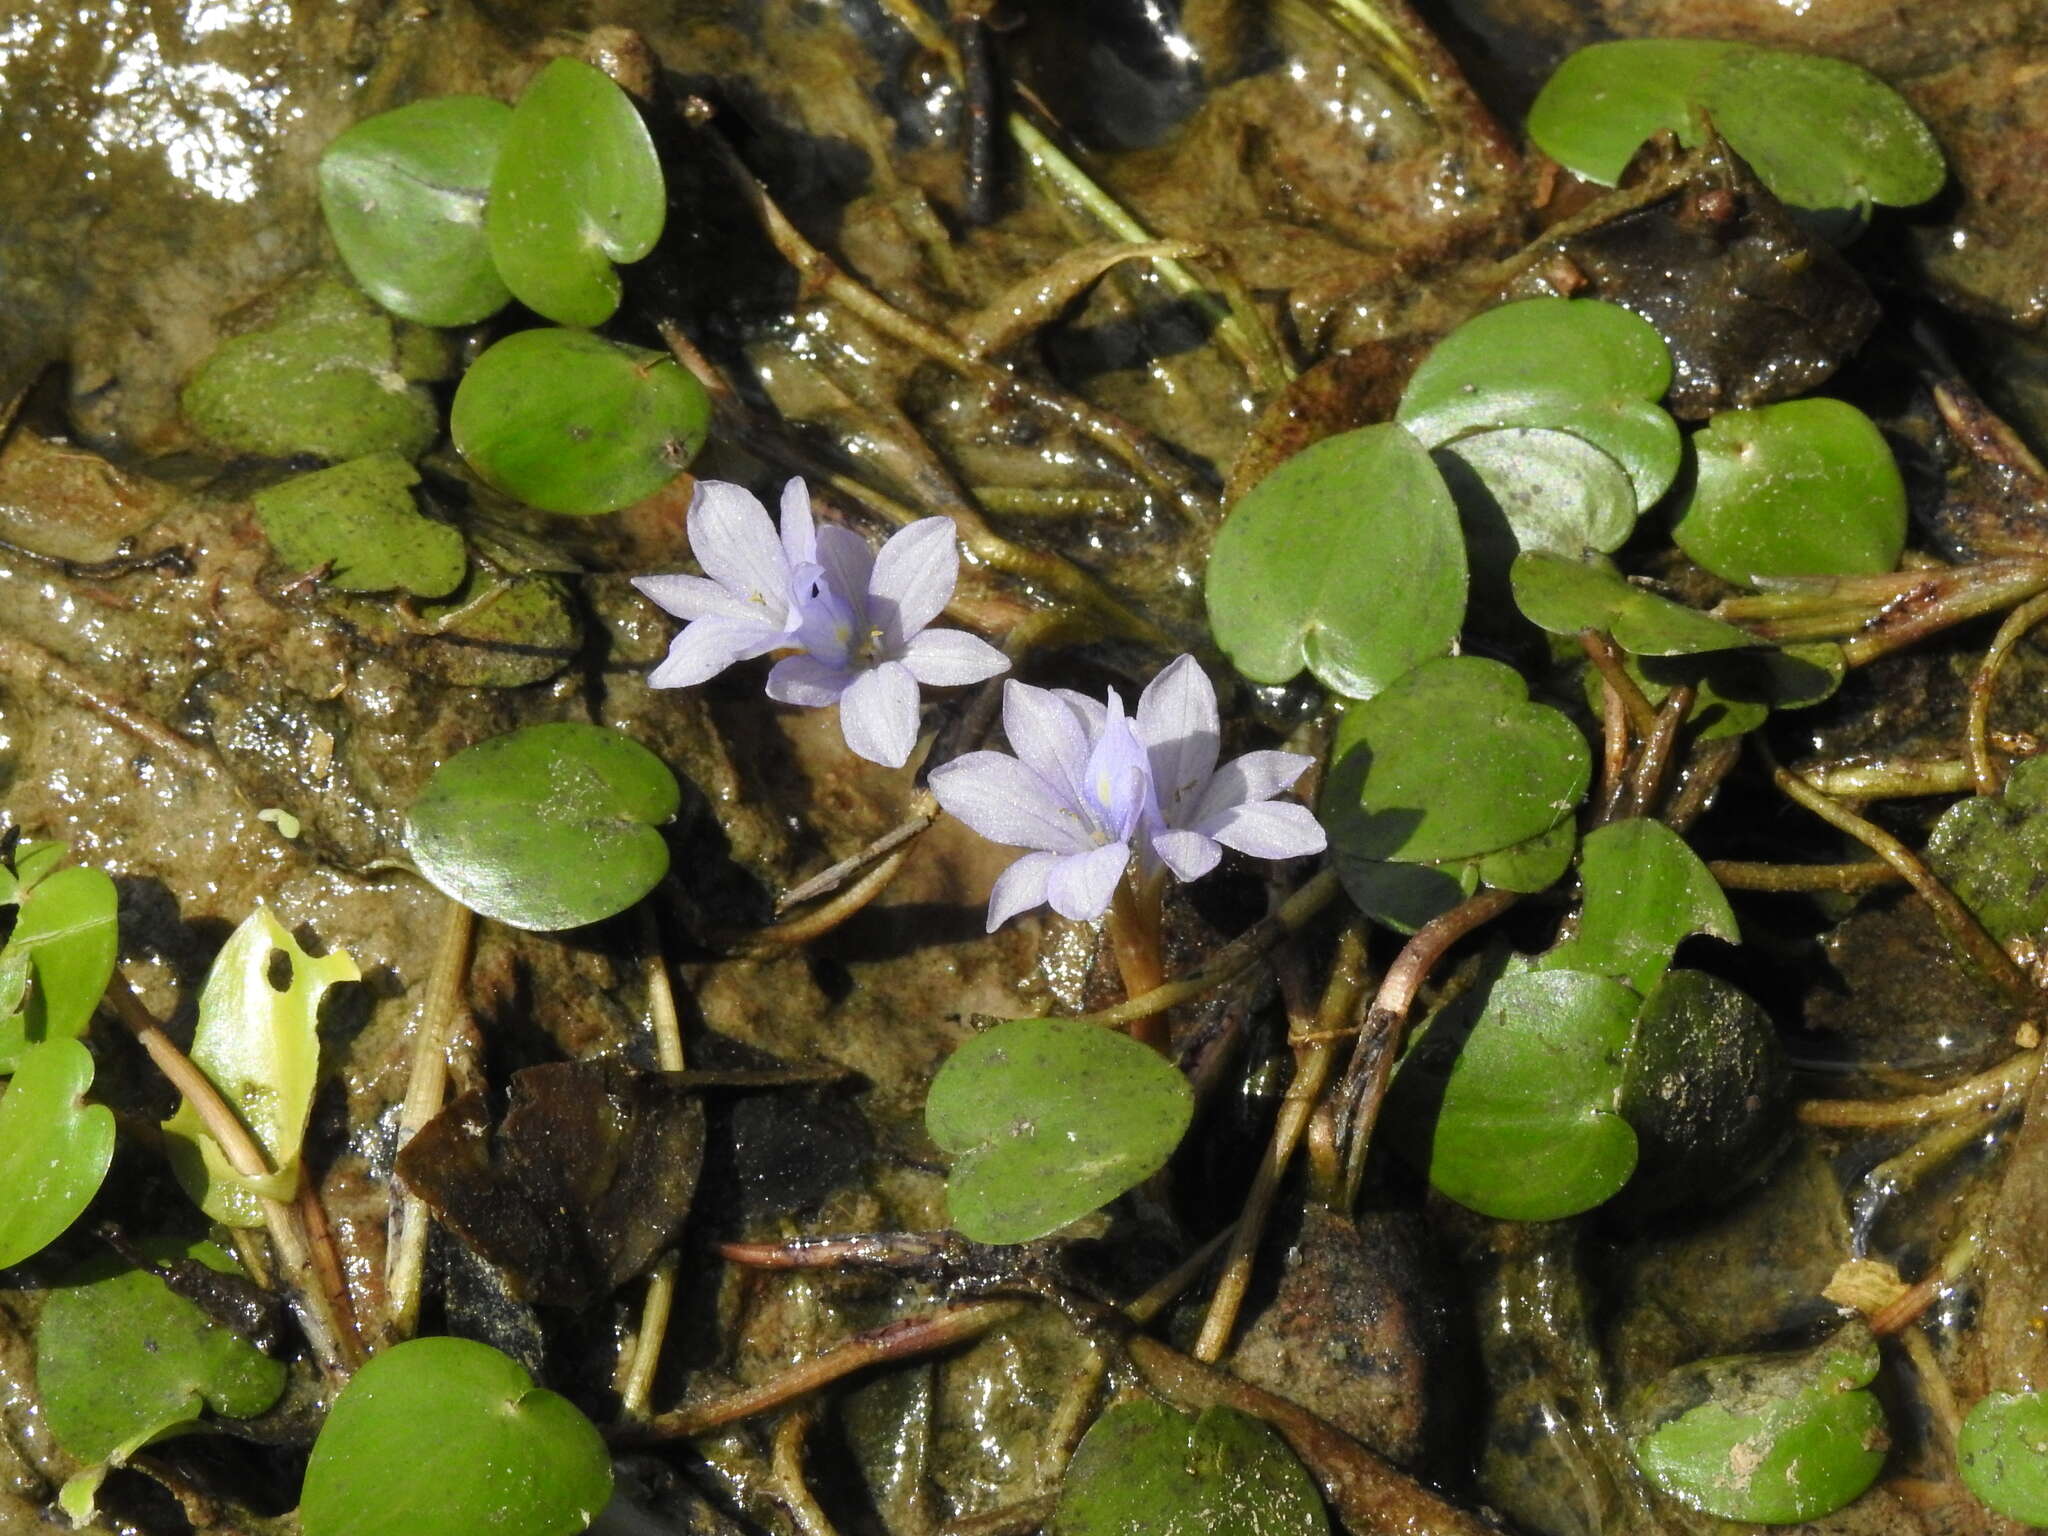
(404,197)
(1347,560)
(1565,596)
(1529,1128)
(1529,488)
(1802,488)
(359,521)
(1645,890)
(1144,1470)
(1990,850)
(54,1147)
(121,1359)
(1581,366)
(548,827)
(576,187)
(327,378)
(1451,762)
(569,422)
(69,931)
(447,1437)
(1047,1120)
(1778,1439)
(1594,113)
(2002,1454)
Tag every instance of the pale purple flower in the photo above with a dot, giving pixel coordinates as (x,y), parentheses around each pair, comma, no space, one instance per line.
(1077,793)
(865,641)
(750,601)
(1088,787)
(1202,809)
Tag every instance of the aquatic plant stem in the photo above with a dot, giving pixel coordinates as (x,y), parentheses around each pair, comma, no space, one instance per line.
(1888,778)
(426,1083)
(1980,1094)
(1655,756)
(924,810)
(644,1355)
(1315,1054)
(821,919)
(786,1465)
(1606,659)
(1984,769)
(335,1346)
(1744,875)
(1135,919)
(1955,919)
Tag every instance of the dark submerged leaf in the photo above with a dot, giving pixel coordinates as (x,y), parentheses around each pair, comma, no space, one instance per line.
(359,521)
(1142,1468)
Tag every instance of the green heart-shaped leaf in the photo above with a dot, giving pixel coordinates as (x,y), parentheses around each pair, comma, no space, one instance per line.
(1802,488)
(1529,488)
(1990,850)
(327,378)
(1565,596)
(447,1437)
(404,196)
(1047,1120)
(2002,1454)
(1778,1439)
(1144,1470)
(1596,110)
(68,928)
(577,186)
(1580,366)
(569,422)
(54,1147)
(121,1359)
(1529,1125)
(259,1044)
(359,521)
(1347,560)
(1451,762)
(548,827)
(1404,896)
(1644,891)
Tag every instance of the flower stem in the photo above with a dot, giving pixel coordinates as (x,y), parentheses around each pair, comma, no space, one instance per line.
(1135,936)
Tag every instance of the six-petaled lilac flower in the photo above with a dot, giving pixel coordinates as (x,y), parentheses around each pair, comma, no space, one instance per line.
(865,641)
(1088,787)
(750,602)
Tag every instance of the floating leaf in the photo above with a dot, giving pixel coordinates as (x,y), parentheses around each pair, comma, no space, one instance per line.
(2002,1454)
(1564,597)
(502,1454)
(1047,1120)
(1404,896)
(1347,560)
(54,1147)
(121,1360)
(1451,762)
(1144,1470)
(1822,134)
(1778,1439)
(1802,488)
(326,378)
(358,521)
(1991,849)
(1645,890)
(1580,366)
(548,827)
(569,422)
(68,928)
(1529,488)
(404,197)
(260,1045)
(1734,690)
(577,187)
(1529,1127)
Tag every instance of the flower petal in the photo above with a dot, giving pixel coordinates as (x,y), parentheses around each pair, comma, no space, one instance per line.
(799,533)
(825,624)
(693,597)
(1081,887)
(913,579)
(1277,829)
(848,564)
(1245,781)
(878,714)
(947,658)
(736,544)
(1019,888)
(1047,735)
(1119,776)
(1178,724)
(1092,713)
(807,680)
(1189,855)
(1006,802)
(708,646)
